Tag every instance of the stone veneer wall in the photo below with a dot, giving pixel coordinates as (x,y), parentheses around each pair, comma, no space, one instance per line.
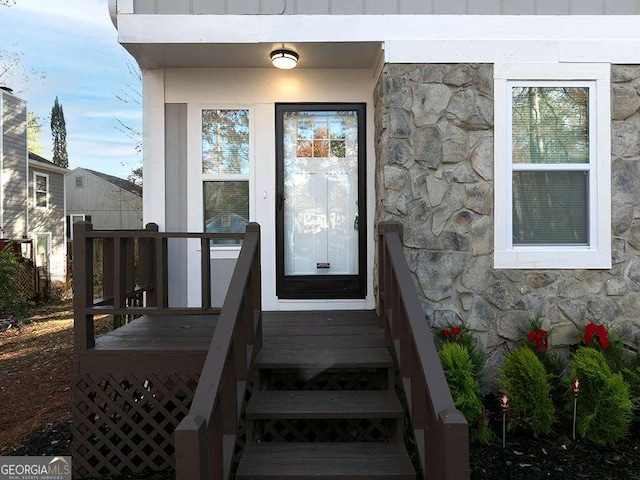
(434,174)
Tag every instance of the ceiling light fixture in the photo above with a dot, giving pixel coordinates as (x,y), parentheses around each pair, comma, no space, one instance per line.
(284,59)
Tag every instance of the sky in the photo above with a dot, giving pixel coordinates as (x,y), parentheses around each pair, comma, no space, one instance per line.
(74,45)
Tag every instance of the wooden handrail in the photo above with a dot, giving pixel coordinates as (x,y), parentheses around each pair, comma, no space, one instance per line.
(128,289)
(205,438)
(440,429)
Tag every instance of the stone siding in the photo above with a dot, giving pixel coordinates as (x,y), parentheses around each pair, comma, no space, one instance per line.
(434,174)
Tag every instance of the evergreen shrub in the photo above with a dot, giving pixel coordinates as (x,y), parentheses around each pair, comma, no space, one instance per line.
(12,300)
(465,389)
(605,410)
(526,381)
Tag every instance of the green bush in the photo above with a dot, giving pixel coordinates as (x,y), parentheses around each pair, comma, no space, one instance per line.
(605,409)
(555,366)
(12,298)
(460,335)
(465,389)
(527,384)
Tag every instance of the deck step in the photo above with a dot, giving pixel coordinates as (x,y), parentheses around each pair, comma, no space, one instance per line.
(325,461)
(324,404)
(323,359)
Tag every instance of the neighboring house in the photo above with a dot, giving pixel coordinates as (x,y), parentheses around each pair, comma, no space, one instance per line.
(108,202)
(31,191)
(13,167)
(47,215)
(503,135)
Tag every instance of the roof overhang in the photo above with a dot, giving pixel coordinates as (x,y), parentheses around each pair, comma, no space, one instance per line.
(50,167)
(360,55)
(365,41)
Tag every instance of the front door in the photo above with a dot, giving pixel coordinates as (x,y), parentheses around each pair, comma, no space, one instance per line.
(320,202)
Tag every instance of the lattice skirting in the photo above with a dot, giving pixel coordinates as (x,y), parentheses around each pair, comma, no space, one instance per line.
(125,423)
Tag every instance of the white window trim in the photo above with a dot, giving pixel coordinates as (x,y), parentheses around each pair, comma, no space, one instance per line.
(597,255)
(222,251)
(195,194)
(36,191)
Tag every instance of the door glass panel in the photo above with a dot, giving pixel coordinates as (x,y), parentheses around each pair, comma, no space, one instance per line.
(321,193)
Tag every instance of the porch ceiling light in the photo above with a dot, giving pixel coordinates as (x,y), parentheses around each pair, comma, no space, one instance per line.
(284,59)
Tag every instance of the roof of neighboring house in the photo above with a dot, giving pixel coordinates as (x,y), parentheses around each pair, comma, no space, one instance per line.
(117,181)
(41,162)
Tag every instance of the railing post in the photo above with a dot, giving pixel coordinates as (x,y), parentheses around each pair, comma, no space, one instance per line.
(256,290)
(161,273)
(83,287)
(191,448)
(147,265)
(384,269)
(205,275)
(455,440)
(108,279)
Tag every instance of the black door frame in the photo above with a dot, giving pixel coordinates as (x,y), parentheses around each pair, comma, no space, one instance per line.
(322,286)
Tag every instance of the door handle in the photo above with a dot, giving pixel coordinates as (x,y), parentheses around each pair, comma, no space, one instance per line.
(280,201)
(356,223)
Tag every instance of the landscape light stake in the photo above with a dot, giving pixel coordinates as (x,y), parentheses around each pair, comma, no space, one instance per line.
(576,389)
(504,403)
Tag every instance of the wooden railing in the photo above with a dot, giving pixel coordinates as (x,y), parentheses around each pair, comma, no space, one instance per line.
(441,432)
(134,275)
(205,438)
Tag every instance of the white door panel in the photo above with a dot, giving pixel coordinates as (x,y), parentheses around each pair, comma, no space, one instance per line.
(321,193)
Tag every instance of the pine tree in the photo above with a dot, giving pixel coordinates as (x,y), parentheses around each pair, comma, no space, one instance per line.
(59,133)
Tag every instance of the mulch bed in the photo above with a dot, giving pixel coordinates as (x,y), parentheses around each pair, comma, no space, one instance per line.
(35,367)
(524,458)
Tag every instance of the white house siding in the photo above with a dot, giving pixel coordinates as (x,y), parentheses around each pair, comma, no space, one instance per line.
(386,7)
(110,207)
(13,167)
(50,220)
(259,90)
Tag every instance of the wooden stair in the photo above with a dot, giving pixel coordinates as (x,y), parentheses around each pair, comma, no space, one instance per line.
(324,376)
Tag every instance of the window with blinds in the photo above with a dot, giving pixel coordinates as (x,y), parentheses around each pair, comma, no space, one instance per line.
(552,169)
(550,160)
(225,171)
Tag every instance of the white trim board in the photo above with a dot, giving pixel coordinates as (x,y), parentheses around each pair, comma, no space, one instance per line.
(221,29)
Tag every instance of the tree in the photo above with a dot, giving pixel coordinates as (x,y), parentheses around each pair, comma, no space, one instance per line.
(7,3)
(136,175)
(34,130)
(131,95)
(13,72)
(59,133)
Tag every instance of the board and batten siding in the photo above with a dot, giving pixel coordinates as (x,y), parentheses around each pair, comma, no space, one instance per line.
(14,167)
(387,7)
(50,219)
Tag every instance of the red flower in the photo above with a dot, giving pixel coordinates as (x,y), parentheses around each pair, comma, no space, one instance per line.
(540,338)
(455,330)
(445,332)
(599,331)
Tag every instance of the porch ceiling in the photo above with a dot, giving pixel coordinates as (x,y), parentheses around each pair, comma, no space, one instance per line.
(339,55)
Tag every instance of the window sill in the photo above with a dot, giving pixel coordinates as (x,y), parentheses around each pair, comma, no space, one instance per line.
(530,259)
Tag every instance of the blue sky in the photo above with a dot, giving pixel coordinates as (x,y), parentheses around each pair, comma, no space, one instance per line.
(74,44)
